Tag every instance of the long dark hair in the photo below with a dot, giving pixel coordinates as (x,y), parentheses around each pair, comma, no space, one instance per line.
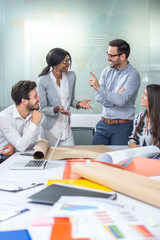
(53,58)
(153,92)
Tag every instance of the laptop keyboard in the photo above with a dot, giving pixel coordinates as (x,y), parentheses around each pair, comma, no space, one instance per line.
(35,163)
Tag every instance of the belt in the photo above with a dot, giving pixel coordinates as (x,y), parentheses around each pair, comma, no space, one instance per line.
(115,121)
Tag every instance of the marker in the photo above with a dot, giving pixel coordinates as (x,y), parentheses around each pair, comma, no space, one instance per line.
(61,109)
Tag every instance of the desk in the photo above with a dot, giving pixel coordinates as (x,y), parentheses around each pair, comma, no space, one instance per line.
(54,170)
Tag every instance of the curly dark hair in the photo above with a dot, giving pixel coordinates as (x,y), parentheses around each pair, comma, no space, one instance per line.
(21,90)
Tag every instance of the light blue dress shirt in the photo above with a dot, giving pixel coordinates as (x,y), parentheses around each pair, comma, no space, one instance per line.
(115,105)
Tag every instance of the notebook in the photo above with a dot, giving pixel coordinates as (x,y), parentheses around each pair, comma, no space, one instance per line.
(33,164)
(51,194)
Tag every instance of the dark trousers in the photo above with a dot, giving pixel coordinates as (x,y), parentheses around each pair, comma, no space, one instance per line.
(112,134)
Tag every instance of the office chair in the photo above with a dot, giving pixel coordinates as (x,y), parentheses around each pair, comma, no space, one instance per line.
(83,135)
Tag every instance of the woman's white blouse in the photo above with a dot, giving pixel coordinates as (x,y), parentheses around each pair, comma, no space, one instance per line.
(62,128)
(142,138)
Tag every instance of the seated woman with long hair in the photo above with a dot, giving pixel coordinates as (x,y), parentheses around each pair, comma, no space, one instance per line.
(147,124)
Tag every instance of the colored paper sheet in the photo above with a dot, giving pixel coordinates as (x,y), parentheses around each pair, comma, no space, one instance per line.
(80,183)
(116,232)
(69,207)
(15,235)
(45,221)
(68,174)
(144,166)
(151,221)
(62,229)
(141,229)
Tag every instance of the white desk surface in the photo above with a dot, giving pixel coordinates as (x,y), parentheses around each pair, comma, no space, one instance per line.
(54,170)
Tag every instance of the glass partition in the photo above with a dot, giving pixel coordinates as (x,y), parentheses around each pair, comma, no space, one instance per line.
(30,28)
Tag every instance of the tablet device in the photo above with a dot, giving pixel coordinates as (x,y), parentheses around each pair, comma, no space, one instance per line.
(51,194)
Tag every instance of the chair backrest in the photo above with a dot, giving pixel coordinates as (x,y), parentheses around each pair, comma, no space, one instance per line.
(83,135)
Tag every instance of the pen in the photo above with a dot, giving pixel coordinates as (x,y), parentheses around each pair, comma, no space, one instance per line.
(111,202)
(32,185)
(26,154)
(24,210)
(119,205)
(67,112)
(61,109)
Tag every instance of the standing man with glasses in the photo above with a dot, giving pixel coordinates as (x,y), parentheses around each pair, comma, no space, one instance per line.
(19,123)
(56,88)
(116,91)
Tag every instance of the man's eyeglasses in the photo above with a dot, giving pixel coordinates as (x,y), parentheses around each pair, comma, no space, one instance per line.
(111,55)
(66,61)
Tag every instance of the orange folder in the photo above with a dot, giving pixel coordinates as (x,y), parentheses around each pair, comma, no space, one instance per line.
(68,174)
(144,166)
(62,229)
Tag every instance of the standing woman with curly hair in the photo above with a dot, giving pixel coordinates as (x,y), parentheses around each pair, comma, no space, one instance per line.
(147,124)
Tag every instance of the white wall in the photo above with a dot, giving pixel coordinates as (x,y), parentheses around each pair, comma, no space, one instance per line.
(84,120)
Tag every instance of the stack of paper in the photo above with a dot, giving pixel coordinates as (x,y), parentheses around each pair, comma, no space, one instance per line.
(125,156)
(88,218)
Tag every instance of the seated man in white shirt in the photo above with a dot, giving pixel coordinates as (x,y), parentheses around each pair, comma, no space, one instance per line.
(19,123)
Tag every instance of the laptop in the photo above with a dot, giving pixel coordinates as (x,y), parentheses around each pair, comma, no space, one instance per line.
(33,164)
(29,165)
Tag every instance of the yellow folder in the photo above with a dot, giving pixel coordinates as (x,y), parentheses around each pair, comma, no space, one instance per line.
(81,183)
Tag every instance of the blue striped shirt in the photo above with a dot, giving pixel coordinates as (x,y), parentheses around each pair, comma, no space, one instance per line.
(115,105)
